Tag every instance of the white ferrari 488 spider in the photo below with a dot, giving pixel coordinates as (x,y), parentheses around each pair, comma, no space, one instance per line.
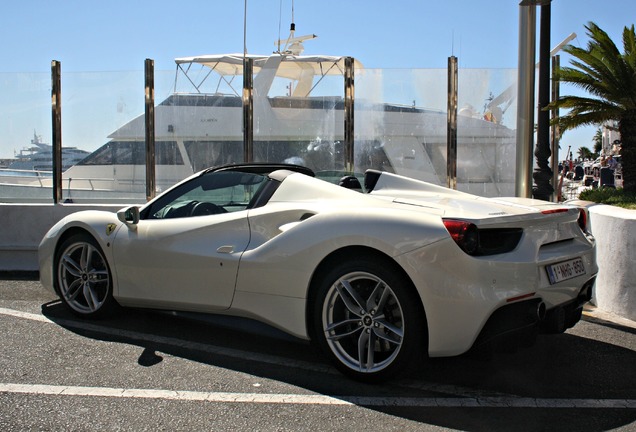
(378,274)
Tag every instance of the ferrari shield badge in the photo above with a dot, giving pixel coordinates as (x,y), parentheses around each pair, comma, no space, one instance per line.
(110,228)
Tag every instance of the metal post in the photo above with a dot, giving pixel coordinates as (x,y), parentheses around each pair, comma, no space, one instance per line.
(248,110)
(451,128)
(525,98)
(349,92)
(56,111)
(150,128)
(543,174)
(555,133)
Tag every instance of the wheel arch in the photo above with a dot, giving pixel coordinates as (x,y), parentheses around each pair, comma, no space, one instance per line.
(338,256)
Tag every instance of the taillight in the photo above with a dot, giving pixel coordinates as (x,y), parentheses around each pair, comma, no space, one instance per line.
(582,220)
(481,242)
(465,234)
(552,211)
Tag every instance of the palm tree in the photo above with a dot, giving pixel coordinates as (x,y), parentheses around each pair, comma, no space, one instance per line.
(585,153)
(598,141)
(610,79)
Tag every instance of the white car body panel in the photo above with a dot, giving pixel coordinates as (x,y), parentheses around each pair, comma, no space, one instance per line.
(189,263)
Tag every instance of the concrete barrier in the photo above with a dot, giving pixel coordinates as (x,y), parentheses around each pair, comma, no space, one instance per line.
(24,226)
(615,231)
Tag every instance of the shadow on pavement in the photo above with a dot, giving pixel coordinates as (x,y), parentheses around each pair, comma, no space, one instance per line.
(558,367)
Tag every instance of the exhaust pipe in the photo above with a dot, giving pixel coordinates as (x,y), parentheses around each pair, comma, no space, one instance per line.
(541,311)
(536,312)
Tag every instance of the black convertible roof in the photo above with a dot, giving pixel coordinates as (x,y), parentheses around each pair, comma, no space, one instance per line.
(263,168)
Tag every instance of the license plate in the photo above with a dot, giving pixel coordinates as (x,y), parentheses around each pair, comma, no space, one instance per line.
(565,270)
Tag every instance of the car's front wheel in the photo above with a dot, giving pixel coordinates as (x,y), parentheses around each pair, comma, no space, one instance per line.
(368,319)
(83,278)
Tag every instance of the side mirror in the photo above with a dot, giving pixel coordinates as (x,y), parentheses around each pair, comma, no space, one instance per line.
(129,215)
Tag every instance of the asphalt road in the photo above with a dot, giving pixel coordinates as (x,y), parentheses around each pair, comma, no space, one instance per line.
(143,370)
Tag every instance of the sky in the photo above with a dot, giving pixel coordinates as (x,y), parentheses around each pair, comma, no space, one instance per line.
(118,35)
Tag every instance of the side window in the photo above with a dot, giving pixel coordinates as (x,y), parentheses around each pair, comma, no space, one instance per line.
(212,193)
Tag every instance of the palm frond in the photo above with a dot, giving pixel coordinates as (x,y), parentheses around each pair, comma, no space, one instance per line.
(600,70)
(568,122)
(584,111)
(629,43)
(597,73)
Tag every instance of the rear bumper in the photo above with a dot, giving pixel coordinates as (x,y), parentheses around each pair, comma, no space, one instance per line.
(518,323)
(461,294)
(564,316)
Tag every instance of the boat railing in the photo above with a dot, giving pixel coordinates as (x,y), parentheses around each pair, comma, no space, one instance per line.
(19,176)
(44,179)
(90,181)
(96,183)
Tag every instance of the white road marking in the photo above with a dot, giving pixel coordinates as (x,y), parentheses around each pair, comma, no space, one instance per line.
(464,397)
(299,399)
(25,315)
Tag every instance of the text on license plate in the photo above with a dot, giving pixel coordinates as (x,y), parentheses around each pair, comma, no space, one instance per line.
(565,270)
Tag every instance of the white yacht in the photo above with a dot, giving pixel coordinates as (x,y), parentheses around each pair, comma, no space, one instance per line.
(298,117)
(39,156)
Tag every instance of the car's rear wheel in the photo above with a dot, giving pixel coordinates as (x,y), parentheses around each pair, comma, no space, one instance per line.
(369,320)
(83,278)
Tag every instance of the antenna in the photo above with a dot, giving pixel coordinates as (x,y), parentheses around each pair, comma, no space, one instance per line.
(293,44)
(245,30)
(292,27)
(280,20)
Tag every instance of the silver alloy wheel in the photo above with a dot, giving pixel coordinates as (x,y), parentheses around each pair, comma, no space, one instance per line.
(83,277)
(363,322)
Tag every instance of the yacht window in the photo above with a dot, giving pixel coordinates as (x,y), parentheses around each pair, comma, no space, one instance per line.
(206,154)
(133,153)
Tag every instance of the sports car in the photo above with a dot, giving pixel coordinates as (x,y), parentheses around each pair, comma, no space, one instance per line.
(378,270)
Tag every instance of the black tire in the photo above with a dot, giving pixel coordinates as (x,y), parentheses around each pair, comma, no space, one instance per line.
(363,303)
(83,278)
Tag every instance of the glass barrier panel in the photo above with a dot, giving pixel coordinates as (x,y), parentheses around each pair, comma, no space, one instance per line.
(401,126)
(486,135)
(103,114)
(100,163)
(202,112)
(400,122)
(298,112)
(25,131)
